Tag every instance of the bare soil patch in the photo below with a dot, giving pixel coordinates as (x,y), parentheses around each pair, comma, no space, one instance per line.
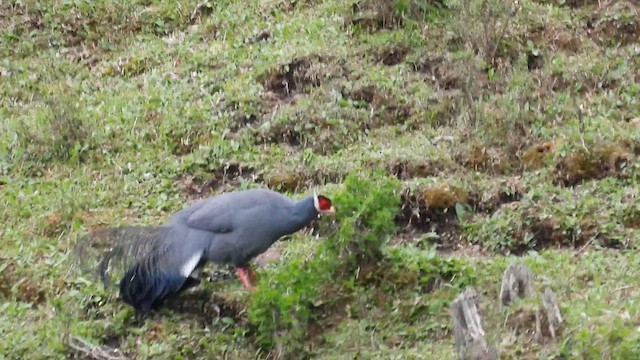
(392,55)
(544,233)
(281,133)
(386,108)
(405,170)
(438,208)
(226,177)
(553,37)
(488,159)
(432,210)
(301,74)
(617,22)
(27,289)
(440,70)
(508,192)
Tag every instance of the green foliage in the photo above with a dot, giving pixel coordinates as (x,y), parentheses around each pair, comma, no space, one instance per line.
(102,23)
(554,216)
(282,307)
(59,132)
(286,304)
(432,267)
(367,206)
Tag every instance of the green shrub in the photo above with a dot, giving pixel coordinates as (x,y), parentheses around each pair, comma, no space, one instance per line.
(284,304)
(367,211)
(282,307)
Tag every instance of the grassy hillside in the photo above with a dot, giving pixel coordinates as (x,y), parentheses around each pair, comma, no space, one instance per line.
(456,137)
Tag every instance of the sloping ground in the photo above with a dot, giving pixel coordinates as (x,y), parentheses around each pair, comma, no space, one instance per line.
(514,131)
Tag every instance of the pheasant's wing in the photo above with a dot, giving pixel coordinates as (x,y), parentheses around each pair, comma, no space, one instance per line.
(234,211)
(215,217)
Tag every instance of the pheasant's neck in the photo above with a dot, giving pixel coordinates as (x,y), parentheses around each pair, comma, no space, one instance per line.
(304,211)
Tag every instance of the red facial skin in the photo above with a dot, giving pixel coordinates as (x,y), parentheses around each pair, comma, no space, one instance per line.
(324,203)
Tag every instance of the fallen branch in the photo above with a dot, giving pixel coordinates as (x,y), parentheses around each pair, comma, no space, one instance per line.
(84,349)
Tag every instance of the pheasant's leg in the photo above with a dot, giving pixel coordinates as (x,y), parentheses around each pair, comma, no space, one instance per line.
(252,275)
(242,273)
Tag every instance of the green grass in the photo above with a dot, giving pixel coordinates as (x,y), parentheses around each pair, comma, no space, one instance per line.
(120,113)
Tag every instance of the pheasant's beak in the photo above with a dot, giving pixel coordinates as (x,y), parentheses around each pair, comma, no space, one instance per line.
(331,211)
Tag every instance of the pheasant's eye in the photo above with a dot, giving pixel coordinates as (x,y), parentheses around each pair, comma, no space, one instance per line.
(324,203)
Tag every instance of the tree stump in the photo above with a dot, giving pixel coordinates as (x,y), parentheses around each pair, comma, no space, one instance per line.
(517,282)
(548,320)
(467,328)
(531,321)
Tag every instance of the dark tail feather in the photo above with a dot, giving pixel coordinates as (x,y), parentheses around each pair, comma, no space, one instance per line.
(146,285)
(133,255)
(111,251)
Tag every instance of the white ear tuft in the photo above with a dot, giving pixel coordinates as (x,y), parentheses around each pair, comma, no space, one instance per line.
(316,202)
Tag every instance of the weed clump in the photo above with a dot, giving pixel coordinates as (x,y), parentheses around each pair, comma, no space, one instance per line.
(444,196)
(8,277)
(484,158)
(301,177)
(376,15)
(198,183)
(328,125)
(582,164)
(385,107)
(284,180)
(428,268)
(553,218)
(392,55)
(405,170)
(536,157)
(60,133)
(484,27)
(369,212)
(12,285)
(618,24)
(631,215)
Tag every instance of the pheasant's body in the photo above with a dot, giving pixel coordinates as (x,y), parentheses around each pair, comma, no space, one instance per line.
(231,228)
